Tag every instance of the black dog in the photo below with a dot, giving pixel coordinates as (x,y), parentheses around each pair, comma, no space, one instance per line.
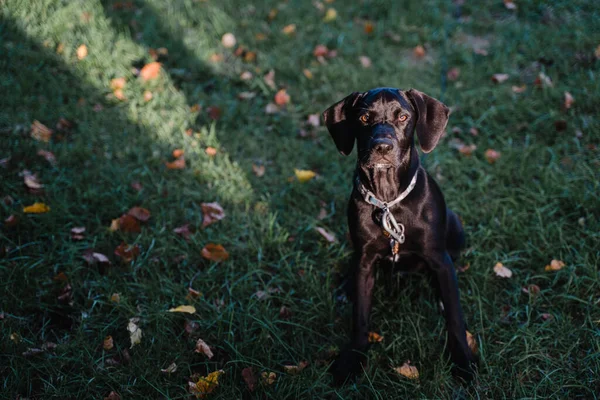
(397,213)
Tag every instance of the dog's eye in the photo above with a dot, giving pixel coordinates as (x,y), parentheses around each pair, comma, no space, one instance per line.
(402,118)
(364,118)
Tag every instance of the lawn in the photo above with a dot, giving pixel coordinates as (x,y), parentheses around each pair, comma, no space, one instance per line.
(276,300)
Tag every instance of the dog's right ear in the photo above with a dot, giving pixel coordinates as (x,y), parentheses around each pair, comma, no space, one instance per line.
(338,124)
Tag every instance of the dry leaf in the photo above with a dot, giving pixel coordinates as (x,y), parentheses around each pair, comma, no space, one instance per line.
(281,97)
(555,265)
(211,213)
(115,298)
(369,27)
(320,50)
(31,180)
(499,78)
(147,95)
(210,151)
(472,342)
(40,131)
(569,100)
(374,337)
(532,290)
(502,271)
(289,29)
(543,80)
(453,74)
(365,61)
(268,378)
(183,231)
(246,75)
(215,252)
(206,385)
(519,89)
(295,369)
(271,108)
(82,52)
(228,40)
(93,258)
(135,333)
(330,15)
(129,224)
(108,343)
(492,155)
(249,378)
(77,233)
(114,225)
(183,309)
(408,371)
(150,71)
(193,294)
(49,156)
(170,369)
(467,150)
(177,164)
(203,348)
(126,252)
(15,337)
(419,52)
(11,221)
(322,214)
(259,170)
(117,83)
(307,73)
(246,95)
(269,79)
(510,5)
(330,237)
(314,120)
(304,175)
(177,153)
(113,396)
(36,208)
(139,213)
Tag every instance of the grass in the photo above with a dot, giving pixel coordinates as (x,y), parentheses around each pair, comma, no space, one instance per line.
(538,202)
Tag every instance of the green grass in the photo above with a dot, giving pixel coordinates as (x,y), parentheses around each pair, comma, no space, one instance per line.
(538,202)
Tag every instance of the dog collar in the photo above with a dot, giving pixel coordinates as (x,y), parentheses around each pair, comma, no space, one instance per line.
(393,228)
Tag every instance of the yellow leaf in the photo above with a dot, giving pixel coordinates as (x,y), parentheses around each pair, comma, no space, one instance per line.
(268,378)
(304,175)
(555,265)
(206,385)
(289,29)
(307,73)
(184,309)
(408,371)
(36,208)
(330,15)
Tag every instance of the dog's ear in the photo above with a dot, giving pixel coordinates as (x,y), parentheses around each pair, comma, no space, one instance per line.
(432,119)
(338,124)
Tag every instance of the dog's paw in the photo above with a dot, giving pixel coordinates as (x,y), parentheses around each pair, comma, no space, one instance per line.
(347,366)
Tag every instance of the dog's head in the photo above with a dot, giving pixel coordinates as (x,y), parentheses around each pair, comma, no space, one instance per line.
(382,122)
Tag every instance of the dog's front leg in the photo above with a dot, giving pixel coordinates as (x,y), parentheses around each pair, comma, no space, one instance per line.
(460,353)
(352,357)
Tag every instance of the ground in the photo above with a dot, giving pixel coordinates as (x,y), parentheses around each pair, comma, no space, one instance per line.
(537,331)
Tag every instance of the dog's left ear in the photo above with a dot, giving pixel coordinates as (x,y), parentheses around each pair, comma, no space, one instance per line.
(339,126)
(432,119)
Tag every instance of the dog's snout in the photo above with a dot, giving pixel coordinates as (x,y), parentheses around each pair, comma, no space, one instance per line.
(383,146)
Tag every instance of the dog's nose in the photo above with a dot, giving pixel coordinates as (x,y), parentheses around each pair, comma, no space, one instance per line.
(382,147)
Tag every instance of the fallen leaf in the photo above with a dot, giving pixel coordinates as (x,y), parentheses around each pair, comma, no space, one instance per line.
(135,332)
(419,52)
(322,214)
(183,309)
(93,258)
(77,233)
(40,131)
(129,224)
(295,369)
(472,342)
(375,337)
(114,225)
(271,108)
(139,213)
(108,343)
(246,95)
(365,61)
(214,112)
(211,213)
(60,277)
(82,52)
(249,378)
(49,156)
(499,78)
(113,396)
(150,71)
(170,369)
(31,180)
(259,170)
(330,237)
(555,265)
(127,252)
(547,316)
(285,313)
(215,252)
(203,348)
(519,89)
(569,100)
(115,298)
(177,164)
(453,73)
(192,294)
(206,385)
(147,95)
(210,151)
(246,75)
(307,73)
(190,327)
(408,371)
(11,221)
(304,175)
(15,337)
(492,155)
(510,5)
(289,29)
(281,97)
(36,208)
(177,153)
(532,290)
(268,378)
(330,15)
(117,83)
(269,79)
(543,80)
(502,271)
(369,27)
(320,51)
(467,150)
(272,14)
(183,231)
(228,40)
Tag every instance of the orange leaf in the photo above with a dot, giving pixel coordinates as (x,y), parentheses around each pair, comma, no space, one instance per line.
(419,51)
(127,252)
(374,337)
(282,98)
(210,151)
(492,155)
(215,252)
(296,369)
(307,73)
(128,224)
(472,342)
(139,213)
(320,51)
(408,371)
(150,71)
(117,83)
(40,131)
(177,164)
(211,213)
(369,28)
(289,29)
